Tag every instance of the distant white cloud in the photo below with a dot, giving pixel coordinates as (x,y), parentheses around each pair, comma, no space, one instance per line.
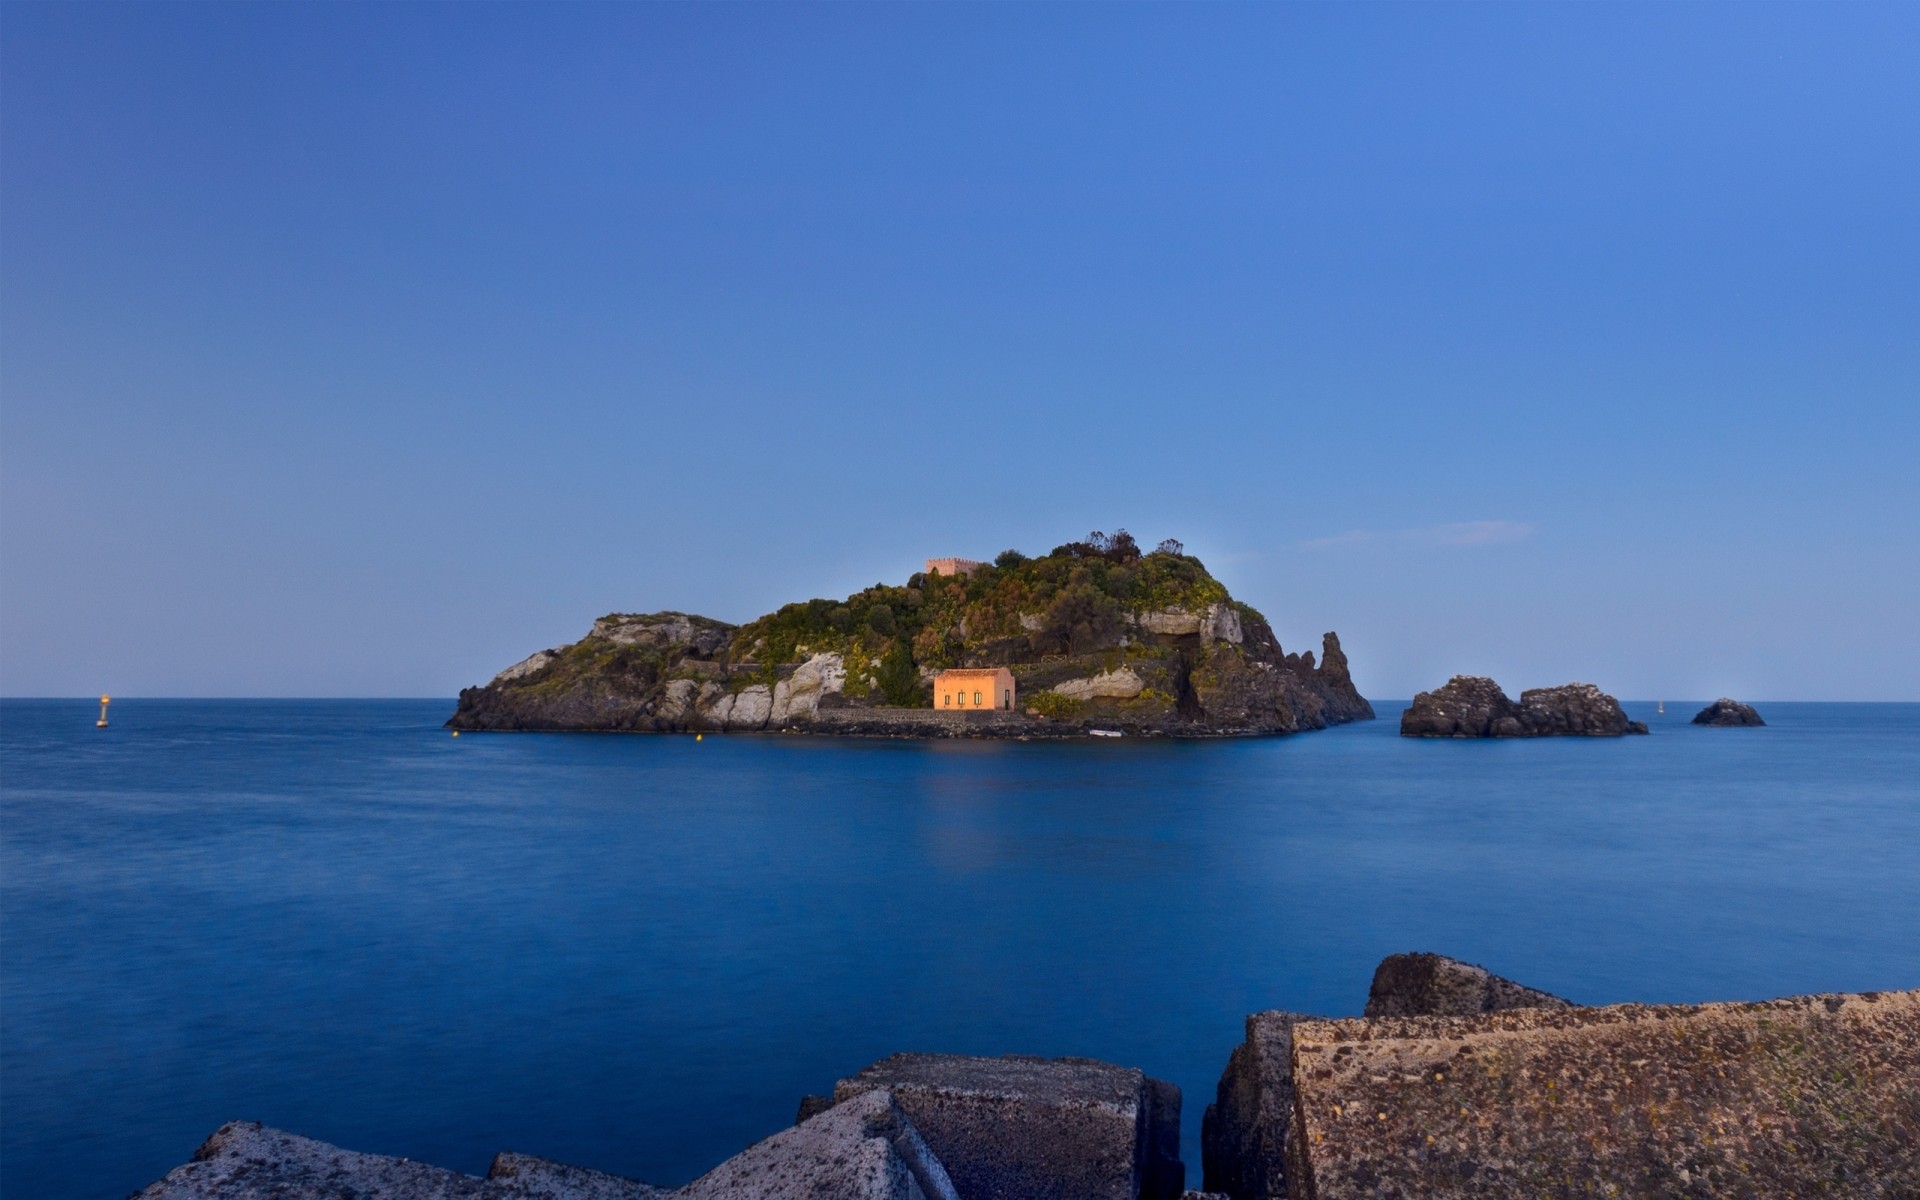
(1457,533)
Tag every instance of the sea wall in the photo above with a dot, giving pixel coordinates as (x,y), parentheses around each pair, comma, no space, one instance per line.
(1474,1086)
(929,722)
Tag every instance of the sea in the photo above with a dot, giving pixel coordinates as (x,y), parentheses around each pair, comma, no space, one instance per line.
(638,952)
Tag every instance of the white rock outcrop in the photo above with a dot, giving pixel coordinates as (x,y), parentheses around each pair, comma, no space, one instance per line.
(1222,624)
(661,630)
(797,697)
(1108,685)
(1219,623)
(676,699)
(527,666)
(1172,622)
(751,708)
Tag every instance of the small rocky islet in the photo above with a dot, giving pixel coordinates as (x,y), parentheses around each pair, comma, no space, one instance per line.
(1728,714)
(1097,634)
(1473,706)
(1455,1083)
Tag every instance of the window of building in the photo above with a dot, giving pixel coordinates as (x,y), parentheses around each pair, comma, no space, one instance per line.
(976,699)
(949,698)
(1007,699)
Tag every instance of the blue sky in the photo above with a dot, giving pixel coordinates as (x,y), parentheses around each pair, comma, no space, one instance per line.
(362,350)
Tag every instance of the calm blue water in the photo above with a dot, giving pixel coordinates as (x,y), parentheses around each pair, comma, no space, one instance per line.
(637,952)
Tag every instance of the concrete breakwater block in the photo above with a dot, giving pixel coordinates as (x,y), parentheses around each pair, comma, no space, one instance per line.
(245,1160)
(1035,1128)
(1432,985)
(1004,1127)
(1243,1134)
(1806,1096)
(864,1148)
(525,1177)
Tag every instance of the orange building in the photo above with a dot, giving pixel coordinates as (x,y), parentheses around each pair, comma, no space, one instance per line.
(952,566)
(970,690)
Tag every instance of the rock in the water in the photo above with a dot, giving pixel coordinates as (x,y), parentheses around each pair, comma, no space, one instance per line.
(1575,708)
(1243,1136)
(1019,1128)
(245,1160)
(1427,985)
(863,1148)
(1474,706)
(1727,713)
(1467,706)
(1778,1100)
(525,1177)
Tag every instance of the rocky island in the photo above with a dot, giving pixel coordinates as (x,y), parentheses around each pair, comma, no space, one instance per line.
(1473,706)
(1728,714)
(1096,635)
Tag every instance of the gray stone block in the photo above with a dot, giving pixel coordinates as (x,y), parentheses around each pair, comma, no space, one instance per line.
(1433,985)
(525,1177)
(1163,1175)
(1775,1100)
(245,1160)
(1243,1134)
(863,1148)
(1021,1128)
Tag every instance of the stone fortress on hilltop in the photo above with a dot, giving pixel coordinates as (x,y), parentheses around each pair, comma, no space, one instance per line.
(953,566)
(1094,634)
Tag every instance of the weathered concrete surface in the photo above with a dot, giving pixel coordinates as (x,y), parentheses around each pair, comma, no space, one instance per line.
(864,1148)
(1801,1097)
(245,1160)
(525,1177)
(1243,1134)
(1020,1128)
(1431,985)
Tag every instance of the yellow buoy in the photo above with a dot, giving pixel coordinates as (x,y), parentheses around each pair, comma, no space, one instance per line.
(102,722)
(698,736)
(456,733)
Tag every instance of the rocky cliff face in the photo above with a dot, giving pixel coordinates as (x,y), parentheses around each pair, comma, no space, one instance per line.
(1096,635)
(1474,706)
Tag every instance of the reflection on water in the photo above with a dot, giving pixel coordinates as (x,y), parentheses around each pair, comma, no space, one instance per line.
(638,952)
